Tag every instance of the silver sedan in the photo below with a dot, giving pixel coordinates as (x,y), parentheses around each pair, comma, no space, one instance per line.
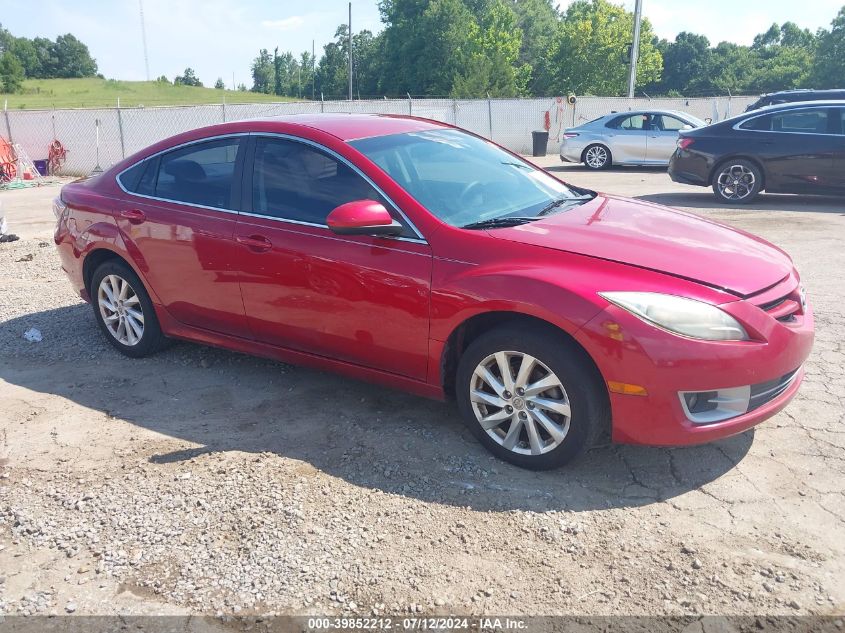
(639,137)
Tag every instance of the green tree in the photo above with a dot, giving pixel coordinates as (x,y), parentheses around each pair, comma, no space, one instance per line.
(829,66)
(219,85)
(73,58)
(589,47)
(188,78)
(492,57)
(333,71)
(538,20)
(783,58)
(11,73)
(686,66)
(308,68)
(263,72)
(426,43)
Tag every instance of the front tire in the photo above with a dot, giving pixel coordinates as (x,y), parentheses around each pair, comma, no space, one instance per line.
(124,311)
(737,181)
(597,157)
(531,398)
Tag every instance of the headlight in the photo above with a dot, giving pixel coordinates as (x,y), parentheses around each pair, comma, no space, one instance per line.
(687,317)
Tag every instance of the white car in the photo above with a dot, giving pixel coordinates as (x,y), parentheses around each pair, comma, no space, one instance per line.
(638,137)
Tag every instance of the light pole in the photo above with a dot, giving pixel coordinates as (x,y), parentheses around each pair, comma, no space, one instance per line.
(635,48)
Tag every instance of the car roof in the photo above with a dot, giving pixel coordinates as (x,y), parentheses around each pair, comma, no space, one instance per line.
(349,127)
(802,91)
(646,111)
(818,103)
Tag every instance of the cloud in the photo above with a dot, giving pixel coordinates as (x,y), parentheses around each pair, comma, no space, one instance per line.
(285,24)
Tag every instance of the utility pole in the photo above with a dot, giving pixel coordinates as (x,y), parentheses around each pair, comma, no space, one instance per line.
(350,51)
(635,48)
(144,39)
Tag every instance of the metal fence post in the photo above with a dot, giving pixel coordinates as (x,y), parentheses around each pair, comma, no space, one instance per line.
(490,116)
(410,106)
(322,102)
(454,111)
(120,130)
(8,124)
(223,108)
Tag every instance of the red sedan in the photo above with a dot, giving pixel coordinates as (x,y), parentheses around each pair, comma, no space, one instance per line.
(420,256)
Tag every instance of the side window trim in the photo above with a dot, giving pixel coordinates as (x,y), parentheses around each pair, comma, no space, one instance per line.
(738,125)
(246,184)
(233,201)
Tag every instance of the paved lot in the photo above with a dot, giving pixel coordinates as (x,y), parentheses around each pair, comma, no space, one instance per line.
(205,481)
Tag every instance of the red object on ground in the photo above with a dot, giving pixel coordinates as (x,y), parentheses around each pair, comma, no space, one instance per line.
(225,271)
(56,157)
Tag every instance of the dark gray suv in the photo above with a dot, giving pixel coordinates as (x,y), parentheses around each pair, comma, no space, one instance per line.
(790,96)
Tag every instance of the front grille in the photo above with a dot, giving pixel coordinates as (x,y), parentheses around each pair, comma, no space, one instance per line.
(764,392)
(785,308)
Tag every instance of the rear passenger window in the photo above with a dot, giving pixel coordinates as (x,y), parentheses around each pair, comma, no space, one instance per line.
(813,121)
(201,173)
(295,181)
(760,124)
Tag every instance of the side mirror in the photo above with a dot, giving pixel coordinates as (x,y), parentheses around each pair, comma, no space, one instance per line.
(708,120)
(363,217)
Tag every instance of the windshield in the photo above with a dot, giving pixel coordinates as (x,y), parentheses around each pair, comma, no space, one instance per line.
(464,180)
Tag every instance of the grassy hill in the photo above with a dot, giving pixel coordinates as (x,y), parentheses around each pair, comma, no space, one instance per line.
(93,93)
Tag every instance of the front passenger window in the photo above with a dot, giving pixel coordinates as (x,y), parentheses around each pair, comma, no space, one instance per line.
(295,181)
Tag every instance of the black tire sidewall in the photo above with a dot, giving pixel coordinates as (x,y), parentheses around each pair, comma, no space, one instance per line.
(580,379)
(152,338)
(607,163)
(758,181)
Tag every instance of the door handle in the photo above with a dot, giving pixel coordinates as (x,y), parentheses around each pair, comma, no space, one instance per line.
(135,216)
(257,243)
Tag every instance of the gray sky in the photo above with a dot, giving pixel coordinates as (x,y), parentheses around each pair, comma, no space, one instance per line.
(221,37)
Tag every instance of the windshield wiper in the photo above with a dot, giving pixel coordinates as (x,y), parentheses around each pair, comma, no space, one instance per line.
(494,223)
(559,202)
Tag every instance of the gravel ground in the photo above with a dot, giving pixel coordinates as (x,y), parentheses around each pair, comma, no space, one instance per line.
(202,481)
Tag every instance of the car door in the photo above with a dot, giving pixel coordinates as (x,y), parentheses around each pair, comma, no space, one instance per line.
(663,138)
(797,148)
(178,218)
(361,299)
(627,138)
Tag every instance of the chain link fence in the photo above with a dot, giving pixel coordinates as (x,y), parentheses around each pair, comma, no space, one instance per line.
(101,137)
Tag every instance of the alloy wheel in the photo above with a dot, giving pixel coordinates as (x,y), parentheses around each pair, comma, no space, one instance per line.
(736,182)
(121,310)
(520,403)
(596,157)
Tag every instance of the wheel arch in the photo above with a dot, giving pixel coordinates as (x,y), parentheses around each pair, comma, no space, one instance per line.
(474,326)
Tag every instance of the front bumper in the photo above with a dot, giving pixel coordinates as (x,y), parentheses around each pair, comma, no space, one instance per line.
(627,350)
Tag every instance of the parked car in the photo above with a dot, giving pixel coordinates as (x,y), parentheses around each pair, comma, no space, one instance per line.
(789,148)
(791,96)
(422,257)
(639,137)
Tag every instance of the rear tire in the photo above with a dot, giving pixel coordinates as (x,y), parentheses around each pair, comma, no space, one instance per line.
(547,412)
(597,157)
(737,181)
(124,311)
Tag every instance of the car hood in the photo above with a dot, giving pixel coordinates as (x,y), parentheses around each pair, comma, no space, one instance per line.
(658,238)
